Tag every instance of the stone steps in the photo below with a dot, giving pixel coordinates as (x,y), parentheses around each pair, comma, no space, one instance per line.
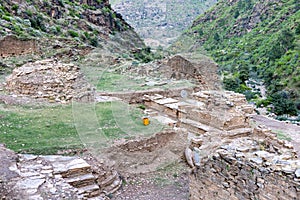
(159,105)
(165,120)
(79,174)
(204,111)
(195,127)
(81,180)
(161,117)
(109,180)
(67,166)
(112,188)
(90,190)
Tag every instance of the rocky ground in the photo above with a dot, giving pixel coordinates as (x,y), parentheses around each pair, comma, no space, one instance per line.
(291,130)
(168,183)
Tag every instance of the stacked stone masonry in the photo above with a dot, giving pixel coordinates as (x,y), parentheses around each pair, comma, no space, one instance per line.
(231,159)
(206,110)
(49,79)
(59,177)
(255,167)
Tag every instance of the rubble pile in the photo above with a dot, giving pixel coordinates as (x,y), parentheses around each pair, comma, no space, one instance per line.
(49,79)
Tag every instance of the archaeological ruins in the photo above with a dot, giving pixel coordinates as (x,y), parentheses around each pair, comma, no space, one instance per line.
(228,155)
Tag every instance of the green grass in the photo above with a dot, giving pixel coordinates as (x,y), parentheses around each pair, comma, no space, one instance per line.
(114,82)
(46,130)
(113,79)
(282,136)
(110,81)
(38,130)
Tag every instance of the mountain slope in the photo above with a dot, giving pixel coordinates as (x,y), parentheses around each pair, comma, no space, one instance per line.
(64,29)
(79,19)
(252,39)
(160,22)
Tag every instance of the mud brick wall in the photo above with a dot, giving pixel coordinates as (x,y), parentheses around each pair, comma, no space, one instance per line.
(12,46)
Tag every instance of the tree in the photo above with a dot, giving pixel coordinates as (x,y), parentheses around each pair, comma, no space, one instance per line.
(216,37)
(283,104)
(286,39)
(283,42)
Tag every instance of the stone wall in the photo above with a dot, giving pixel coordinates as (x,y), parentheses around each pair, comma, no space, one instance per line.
(205,111)
(230,157)
(138,96)
(255,167)
(203,71)
(181,68)
(12,46)
(150,144)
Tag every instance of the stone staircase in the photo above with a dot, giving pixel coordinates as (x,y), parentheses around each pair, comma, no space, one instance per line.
(76,172)
(68,173)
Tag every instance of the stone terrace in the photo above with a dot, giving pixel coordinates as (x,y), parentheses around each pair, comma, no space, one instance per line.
(205,111)
(231,157)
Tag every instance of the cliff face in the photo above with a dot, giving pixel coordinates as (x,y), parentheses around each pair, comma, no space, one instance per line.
(252,40)
(87,21)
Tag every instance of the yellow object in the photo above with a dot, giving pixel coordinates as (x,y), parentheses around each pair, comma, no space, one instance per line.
(146,121)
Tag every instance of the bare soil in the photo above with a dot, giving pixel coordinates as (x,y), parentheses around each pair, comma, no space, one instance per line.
(166,184)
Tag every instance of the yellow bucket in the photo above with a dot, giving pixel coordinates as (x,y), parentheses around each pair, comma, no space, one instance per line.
(146,121)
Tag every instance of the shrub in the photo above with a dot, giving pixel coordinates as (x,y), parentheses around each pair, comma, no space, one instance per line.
(15,7)
(5,17)
(73,33)
(283,104)
(28,12)
(17,30)
(37,23)
(94,41)
(58,29)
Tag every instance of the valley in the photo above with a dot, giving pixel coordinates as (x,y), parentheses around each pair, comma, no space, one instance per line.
(78,85)
(160,23)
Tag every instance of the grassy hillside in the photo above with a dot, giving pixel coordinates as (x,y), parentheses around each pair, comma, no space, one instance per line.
(252,39)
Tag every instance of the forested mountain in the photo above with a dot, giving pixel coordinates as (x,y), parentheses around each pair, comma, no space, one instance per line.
(252,40)
(160,22)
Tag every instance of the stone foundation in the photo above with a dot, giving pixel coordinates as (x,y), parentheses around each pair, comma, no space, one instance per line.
(229,157)
(49,79)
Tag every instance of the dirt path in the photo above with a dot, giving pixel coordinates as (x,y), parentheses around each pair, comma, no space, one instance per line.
(169,184)
(291,130)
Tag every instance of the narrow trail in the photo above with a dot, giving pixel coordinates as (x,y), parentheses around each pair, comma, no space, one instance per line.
(291,130)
